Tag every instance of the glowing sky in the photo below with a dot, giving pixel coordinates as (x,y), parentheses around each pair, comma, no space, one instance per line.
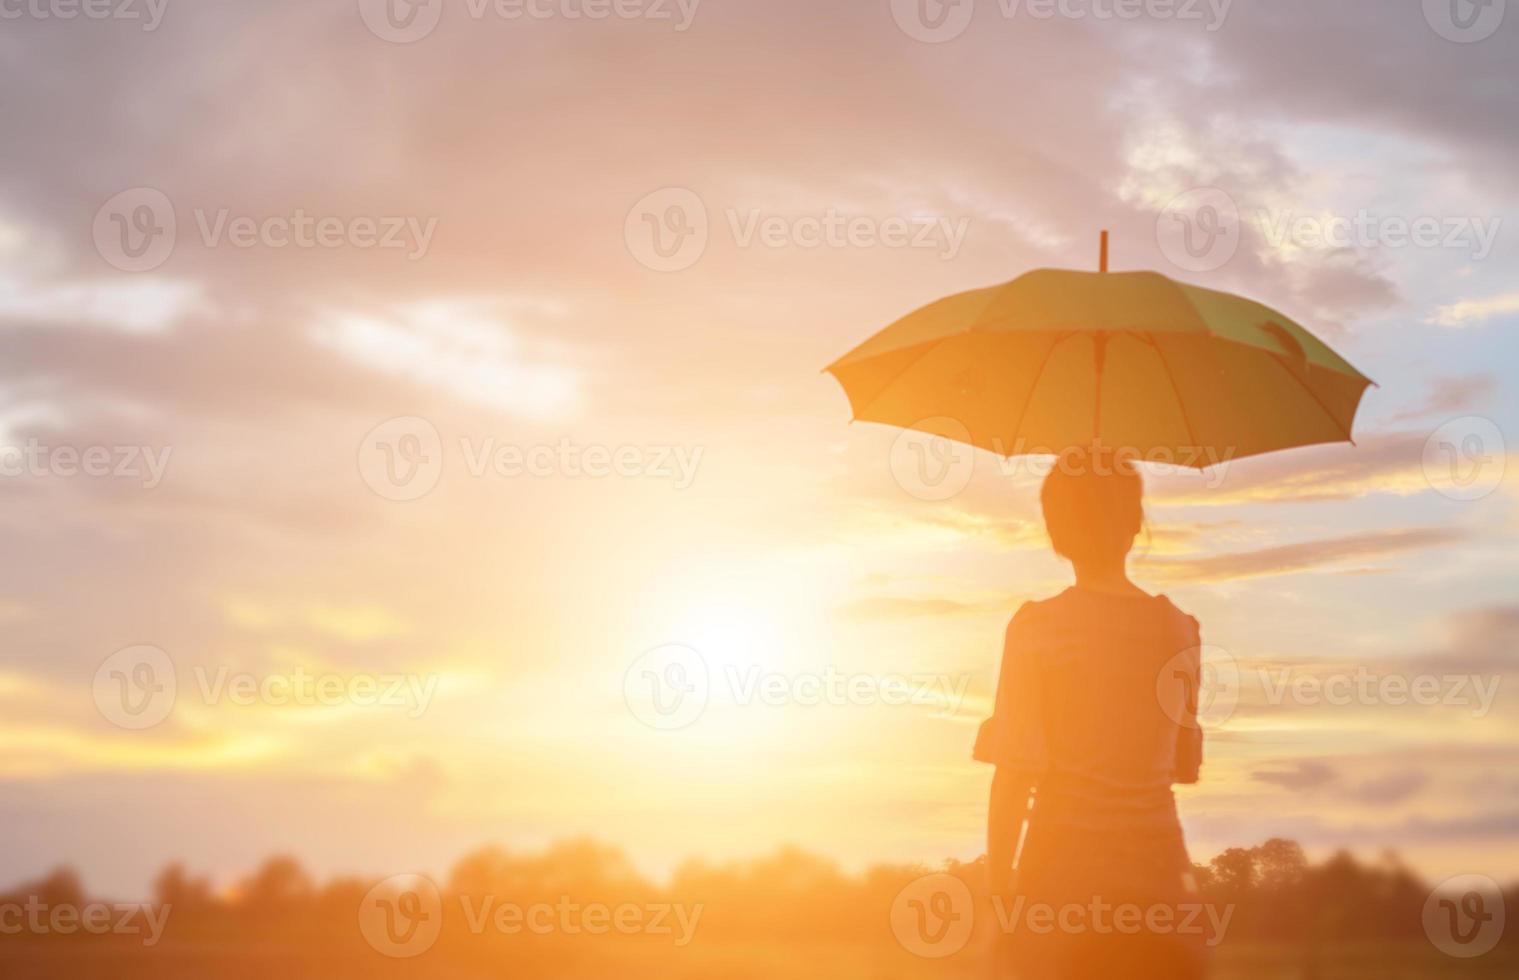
(753,524)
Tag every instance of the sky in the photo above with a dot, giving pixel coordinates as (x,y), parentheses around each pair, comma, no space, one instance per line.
(389,397)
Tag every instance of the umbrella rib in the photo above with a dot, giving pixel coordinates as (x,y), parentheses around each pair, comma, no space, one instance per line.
(898,376)
(1034,385)
(1303,384)
(1315,396)
(930,349)
(1175,390)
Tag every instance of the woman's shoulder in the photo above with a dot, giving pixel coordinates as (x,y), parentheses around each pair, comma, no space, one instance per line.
(1074,604)
(1033,610)
(1036,614)
(1184,623)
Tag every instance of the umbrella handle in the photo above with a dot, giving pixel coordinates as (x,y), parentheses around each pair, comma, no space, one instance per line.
(1100,348)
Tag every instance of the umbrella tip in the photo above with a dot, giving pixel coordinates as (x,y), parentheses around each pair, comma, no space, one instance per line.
(1102,265)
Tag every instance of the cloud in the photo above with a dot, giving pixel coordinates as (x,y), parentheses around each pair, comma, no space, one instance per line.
(1472,311)
(1303,556)
(1317,778)
(1392,788)
(466,347)
(1388,462)
(1479,641)
(1347,64)
(1313,830)
(132,305)
(1448,396)
(905,607)
(1305,776)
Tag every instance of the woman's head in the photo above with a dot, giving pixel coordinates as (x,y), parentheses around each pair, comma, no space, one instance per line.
(1093,507)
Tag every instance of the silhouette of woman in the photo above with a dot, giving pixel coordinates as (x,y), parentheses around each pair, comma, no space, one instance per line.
(1095,719)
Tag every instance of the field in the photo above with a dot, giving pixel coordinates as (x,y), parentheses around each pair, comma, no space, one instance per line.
(592,960)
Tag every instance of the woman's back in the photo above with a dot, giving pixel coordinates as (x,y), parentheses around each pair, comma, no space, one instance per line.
(1095,706)
(1098,694)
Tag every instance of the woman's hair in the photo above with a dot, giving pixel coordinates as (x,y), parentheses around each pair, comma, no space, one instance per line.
(1093,505)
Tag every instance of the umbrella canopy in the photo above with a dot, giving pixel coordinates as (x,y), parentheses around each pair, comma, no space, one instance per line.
(1132,361)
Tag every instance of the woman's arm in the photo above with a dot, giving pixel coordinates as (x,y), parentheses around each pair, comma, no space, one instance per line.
(1004,823)
(1018,747)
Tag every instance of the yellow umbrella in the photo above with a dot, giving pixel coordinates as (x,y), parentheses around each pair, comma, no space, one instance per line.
(1132,361)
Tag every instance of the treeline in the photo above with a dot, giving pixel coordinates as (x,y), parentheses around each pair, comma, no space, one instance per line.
(1277,896)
